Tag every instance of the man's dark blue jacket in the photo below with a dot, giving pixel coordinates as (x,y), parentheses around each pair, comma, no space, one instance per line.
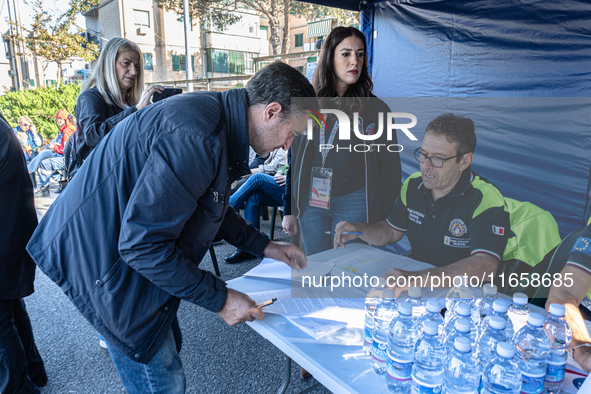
(125,238)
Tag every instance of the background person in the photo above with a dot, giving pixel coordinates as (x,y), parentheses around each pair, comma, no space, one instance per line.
(114,91)
(21,367)
(454,219)
(364,184)
(260,190)
(28,137)
(51,160)
(572,293)
(265,165)
(145,209)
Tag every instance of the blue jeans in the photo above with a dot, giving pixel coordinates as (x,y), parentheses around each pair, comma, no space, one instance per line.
(314,222)
(34,164)
(259,190)
(49,167)
(21,366)
(163,374)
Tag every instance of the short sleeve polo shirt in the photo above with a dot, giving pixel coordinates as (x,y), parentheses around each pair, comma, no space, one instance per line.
(471,219)
(580,255)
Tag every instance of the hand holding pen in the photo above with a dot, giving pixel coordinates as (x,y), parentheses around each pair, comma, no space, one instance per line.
(345,231)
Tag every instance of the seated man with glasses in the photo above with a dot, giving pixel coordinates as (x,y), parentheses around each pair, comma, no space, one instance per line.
(454,219)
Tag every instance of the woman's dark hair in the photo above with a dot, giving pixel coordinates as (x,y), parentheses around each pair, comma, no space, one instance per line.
(324,77)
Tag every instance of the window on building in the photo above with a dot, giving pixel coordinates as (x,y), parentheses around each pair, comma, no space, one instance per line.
(300,69)
(141,18)
(217,61)
(299,40)
(179,63)
(233,62)
(236,62)
(148,64)
(249,65)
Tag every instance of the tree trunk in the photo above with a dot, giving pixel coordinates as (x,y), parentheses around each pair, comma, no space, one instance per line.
(275,35)
(286,28)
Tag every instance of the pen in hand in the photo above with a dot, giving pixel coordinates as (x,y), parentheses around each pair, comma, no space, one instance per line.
(266,303)
(345,232)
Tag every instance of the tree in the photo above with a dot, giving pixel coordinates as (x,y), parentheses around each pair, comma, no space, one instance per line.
(56,38)
(314,12)
(218,13)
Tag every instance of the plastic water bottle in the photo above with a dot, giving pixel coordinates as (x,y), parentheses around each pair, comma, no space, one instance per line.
(418,305)
(484,304)
(560,335)
(502,375)
(432,313)
(533,347)
(403,335)
(429,361)
(500,308)
(461,329)
(487,344)
(462,310)
(466,297)
(453,296)
(384,314)
(519,311)
(461,373)
(374,297)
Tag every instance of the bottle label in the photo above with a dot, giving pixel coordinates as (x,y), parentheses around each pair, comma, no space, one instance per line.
(532,384)
(399,370)
(368,335)
(418,387)
(378,351)
(555,372)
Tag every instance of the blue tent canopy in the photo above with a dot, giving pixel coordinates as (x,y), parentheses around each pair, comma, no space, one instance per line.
(538,149)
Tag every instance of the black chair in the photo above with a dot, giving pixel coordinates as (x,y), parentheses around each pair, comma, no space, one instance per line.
(265,216)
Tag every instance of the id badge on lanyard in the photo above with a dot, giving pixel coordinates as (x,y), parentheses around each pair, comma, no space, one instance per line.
(321,179)
(321,185)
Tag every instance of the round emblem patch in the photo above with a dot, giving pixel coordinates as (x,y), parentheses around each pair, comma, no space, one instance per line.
(581,244)
(457,227)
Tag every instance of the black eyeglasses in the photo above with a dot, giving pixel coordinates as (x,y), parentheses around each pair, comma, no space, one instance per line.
(435,161)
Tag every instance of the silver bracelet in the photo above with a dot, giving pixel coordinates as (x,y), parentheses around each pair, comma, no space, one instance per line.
(572,351)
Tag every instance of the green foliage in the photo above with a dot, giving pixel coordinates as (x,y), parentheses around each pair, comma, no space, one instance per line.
(54,38)
(39,104)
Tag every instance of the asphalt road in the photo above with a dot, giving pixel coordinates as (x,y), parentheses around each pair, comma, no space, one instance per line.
(216,358)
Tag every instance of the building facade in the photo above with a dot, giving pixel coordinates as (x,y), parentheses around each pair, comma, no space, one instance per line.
(161,37)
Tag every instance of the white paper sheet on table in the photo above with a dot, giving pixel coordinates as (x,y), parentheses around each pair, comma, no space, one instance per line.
(374,262)
(295,302)
(316,327)
(273,269)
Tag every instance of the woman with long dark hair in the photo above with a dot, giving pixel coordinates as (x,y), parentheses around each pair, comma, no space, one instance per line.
(332,179)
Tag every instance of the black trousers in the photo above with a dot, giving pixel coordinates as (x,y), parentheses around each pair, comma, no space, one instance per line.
(21,367)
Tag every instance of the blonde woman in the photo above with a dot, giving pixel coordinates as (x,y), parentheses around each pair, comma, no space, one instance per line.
(113,92)
(28,137)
